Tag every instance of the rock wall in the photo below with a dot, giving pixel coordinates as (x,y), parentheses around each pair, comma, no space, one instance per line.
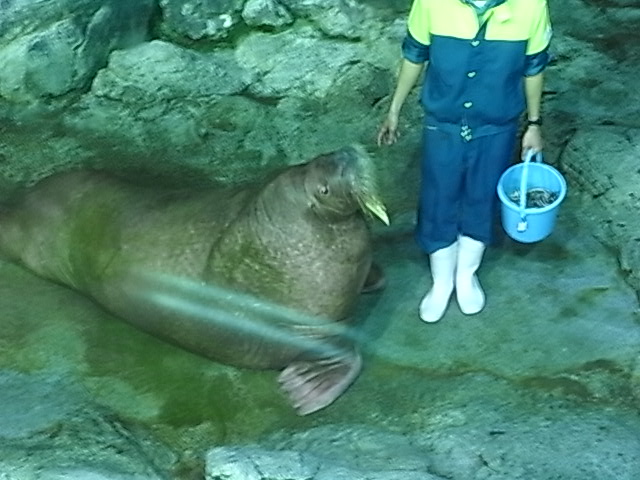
(593,118)
(220,90)
(50,49)
(201,90)
(603,163)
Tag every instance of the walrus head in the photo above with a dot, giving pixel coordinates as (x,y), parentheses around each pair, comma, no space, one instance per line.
(342,182)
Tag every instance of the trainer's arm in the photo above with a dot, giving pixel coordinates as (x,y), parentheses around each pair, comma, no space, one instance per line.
(407,79)
(533,92)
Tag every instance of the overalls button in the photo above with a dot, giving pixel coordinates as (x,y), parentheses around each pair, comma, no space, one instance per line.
(471,74)
(468,104)
(475,43)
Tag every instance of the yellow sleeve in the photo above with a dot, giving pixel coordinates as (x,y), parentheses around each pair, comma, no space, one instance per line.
(540,35)
(418,24)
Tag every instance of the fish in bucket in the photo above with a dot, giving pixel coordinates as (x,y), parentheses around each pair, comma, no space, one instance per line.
(530,216)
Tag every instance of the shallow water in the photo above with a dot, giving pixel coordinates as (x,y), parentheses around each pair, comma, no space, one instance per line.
(559,334)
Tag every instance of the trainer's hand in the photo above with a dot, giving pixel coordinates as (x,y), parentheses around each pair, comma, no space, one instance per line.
(532,140)
(388,132)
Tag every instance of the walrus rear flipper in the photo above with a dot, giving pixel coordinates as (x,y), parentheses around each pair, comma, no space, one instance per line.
(313,384)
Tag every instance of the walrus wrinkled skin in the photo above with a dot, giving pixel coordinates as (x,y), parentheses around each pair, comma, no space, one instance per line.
(260,277)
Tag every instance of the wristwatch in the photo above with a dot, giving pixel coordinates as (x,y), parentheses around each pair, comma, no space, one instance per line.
(537,121)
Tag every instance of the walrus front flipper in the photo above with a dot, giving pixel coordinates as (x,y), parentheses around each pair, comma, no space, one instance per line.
(376,279)
(313,384)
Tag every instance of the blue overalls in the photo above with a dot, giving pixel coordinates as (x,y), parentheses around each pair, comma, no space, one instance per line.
(473,96)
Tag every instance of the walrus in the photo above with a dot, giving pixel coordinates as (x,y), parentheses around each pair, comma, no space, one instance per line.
(260,276)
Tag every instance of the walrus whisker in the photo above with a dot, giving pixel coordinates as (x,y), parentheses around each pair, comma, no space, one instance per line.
(365,187)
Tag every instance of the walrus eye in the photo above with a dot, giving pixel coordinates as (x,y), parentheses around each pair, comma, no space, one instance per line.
(323,190)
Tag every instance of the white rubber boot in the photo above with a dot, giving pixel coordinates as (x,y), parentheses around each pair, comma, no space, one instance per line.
(469,293)
(443,266)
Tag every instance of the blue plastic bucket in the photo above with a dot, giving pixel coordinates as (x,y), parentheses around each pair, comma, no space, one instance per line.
(528,225)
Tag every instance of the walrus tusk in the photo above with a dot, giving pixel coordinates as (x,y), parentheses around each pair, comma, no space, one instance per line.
(378,209)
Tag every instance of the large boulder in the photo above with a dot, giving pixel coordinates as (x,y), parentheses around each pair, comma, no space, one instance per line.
(208,21)
(48,49)
(603,163)
(191,20)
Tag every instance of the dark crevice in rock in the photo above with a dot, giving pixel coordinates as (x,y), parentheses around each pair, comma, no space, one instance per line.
(156,20)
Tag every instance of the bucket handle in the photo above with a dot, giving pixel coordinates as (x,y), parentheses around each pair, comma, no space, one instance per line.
(529,154)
